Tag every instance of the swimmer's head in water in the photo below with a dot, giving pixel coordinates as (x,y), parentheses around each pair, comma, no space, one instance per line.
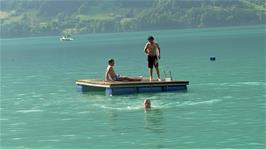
(147,103)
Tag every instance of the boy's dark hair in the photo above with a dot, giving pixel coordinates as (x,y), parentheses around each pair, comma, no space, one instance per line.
(150,38)
(110,61)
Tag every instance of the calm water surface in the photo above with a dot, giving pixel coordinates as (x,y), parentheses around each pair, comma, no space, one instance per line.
(224,106)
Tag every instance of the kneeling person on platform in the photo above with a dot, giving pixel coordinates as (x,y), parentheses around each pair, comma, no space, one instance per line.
(110,74)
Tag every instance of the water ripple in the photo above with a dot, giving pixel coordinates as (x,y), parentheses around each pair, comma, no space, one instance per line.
(52,140)
(29,111)
(233,84)
(69,135)
(16,138)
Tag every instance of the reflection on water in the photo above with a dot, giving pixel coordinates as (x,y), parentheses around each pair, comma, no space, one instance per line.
(153,120)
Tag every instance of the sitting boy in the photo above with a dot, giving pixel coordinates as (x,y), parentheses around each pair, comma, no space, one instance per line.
(110,74)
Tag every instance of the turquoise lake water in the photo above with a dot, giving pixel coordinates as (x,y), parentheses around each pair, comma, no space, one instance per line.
(224,106)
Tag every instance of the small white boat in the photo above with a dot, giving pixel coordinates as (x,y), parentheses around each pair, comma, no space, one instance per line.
(65,38)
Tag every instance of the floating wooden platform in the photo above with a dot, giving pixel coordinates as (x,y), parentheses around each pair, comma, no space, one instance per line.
(129,87)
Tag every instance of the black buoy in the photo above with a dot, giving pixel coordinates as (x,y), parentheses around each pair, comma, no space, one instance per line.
(212,58)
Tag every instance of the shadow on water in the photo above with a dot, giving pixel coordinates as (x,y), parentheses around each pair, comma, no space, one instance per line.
(153,120)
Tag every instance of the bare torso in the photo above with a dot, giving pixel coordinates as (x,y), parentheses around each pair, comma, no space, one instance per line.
(151,48)
(110,73)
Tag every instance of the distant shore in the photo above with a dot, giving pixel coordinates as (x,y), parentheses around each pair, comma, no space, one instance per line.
(59,35)
(50,18)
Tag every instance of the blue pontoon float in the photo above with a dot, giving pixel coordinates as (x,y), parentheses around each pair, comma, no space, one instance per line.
(122,87)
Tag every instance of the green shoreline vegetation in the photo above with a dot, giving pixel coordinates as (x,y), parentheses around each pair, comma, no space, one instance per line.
(41,18)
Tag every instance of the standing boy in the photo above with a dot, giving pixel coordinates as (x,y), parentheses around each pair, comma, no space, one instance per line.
(152,49)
